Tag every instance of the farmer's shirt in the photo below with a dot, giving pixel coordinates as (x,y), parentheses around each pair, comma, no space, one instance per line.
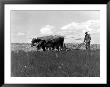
(87,38)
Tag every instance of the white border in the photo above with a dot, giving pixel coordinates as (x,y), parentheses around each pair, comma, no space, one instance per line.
(56,80)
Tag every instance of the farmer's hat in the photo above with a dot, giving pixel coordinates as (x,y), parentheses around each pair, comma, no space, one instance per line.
(86,32)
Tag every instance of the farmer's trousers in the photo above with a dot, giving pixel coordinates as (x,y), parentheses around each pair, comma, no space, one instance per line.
(87,45)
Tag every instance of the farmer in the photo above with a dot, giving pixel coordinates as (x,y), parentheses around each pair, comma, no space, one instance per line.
(87,40)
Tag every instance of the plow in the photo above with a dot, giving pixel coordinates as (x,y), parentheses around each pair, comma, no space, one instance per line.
(80,45)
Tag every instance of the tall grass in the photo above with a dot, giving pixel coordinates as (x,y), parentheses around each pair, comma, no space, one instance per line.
(72,63)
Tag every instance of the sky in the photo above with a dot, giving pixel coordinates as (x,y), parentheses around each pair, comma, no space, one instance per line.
(72,24)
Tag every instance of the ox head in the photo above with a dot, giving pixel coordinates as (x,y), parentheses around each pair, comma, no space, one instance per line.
(34,42)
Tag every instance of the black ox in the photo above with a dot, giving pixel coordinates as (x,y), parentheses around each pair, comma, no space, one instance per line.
(48,42)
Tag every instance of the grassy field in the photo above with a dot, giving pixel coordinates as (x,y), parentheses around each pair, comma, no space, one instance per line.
(27,62)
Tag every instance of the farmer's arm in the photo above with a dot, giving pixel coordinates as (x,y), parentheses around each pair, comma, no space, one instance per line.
(90,37)
(84,39)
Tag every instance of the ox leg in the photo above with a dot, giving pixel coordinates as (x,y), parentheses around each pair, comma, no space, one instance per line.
(53,47)
(58,48)
(43,48)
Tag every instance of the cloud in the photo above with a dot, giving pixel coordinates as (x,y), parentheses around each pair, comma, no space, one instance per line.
(47,30)
(77,30)
(92,26)
(20,34)
(73,32)
(72,26)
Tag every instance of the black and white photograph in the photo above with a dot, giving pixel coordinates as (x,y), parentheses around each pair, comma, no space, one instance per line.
(55,43)
(62,42)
